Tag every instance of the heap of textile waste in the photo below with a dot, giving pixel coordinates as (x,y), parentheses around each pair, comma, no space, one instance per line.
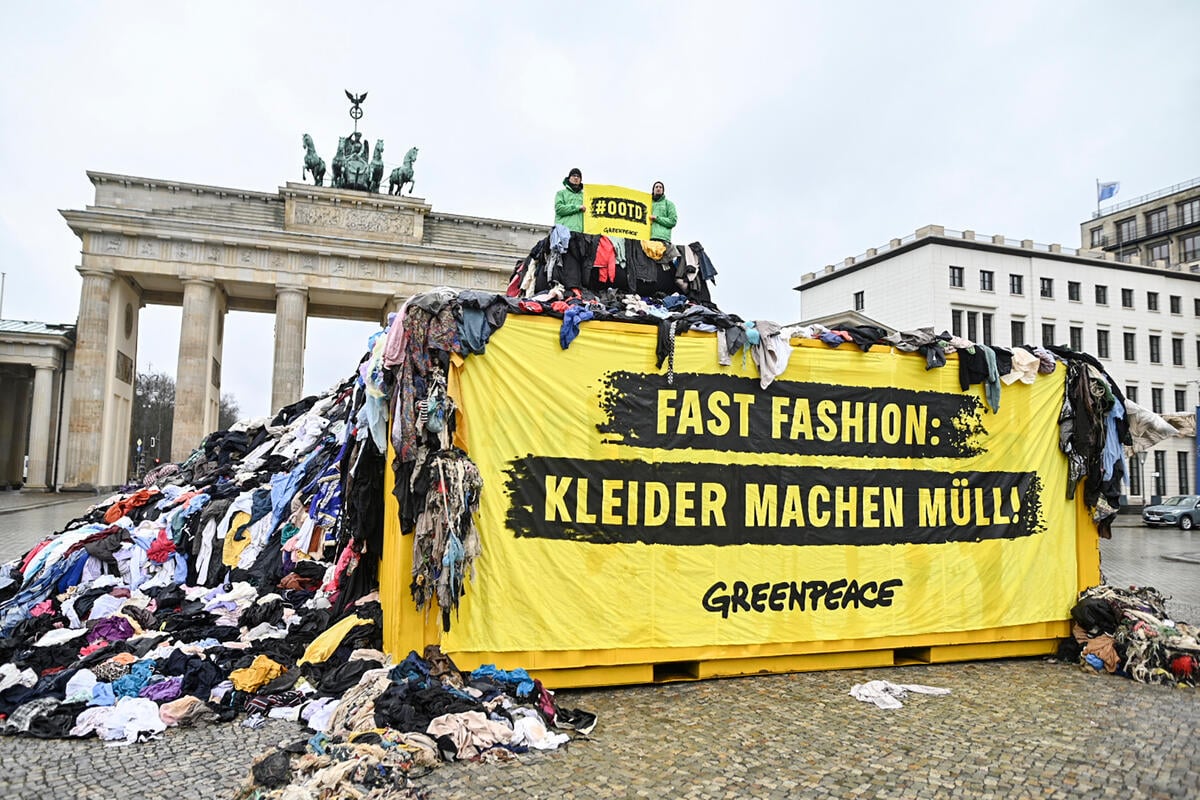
(398,722)
(1128,632)
(243,581)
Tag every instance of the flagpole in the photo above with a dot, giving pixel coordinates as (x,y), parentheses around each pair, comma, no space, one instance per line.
(1097,197)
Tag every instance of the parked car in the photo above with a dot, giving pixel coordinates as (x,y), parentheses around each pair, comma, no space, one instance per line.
(1182,510)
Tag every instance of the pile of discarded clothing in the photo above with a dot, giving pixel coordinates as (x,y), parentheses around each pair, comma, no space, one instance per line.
(397,721)
(243,581)
(1128,632)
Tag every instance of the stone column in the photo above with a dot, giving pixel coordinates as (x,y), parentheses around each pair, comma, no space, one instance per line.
(192,373)
(8,424)
(16,455)
(87,397)
(39,427)
(291,327)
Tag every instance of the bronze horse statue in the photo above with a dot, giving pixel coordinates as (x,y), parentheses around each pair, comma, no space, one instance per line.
(313,163)
(403,175)
(377,166)
(339,160)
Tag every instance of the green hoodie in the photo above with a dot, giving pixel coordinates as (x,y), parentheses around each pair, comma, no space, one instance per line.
(664,219)
(568,207)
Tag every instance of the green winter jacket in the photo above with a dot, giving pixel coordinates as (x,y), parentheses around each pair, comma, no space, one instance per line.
(664,219)
(568,207)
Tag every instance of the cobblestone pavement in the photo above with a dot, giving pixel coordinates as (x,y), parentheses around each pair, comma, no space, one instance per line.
(1013,728)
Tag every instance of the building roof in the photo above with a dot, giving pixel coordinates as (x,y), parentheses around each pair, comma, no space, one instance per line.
(936,234)
(37,328)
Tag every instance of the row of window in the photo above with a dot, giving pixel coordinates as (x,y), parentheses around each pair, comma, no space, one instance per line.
(1157,221)
(1160,473)
(1189,250)
(1156,398)
(1016,285)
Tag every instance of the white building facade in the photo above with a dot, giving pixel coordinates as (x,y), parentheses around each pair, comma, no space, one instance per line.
(1141,322)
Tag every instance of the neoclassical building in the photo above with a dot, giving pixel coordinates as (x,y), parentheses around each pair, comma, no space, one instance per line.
(301,251)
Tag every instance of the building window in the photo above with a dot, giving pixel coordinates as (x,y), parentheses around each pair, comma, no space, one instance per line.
(1102,343)
(1156,221)
(1189,248)
(1016,284)
(1152,301)
(1196,307)
(1180,400)
(859,303)
(1046,287)
(1098,237)
(986,321)
(956,322)
(1126,230)
(1076,338)
(1198,351)
(1047,334)
(987,280)
(1130,342)
(1160,252)
(973,326)
(1135,480)
(1131,392)
(1160,472)
(956,276)
(1127,298)
(1155,349)
(1101,295)
(1126,257)
(1017,333)
(1189,212)
(1177,351)
(1156,399)
(1176,304)
(1181,461)
(1073,290)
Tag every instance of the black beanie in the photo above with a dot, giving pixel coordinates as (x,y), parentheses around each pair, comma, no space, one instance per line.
(575,171)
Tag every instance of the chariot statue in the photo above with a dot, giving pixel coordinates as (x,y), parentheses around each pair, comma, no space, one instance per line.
(354,166)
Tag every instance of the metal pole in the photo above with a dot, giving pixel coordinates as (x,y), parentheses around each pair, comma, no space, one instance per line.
(3,279)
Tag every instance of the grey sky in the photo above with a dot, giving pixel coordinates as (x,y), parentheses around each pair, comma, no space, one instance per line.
(790,135)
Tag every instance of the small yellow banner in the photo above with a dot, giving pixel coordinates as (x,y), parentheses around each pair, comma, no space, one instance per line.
(616,211)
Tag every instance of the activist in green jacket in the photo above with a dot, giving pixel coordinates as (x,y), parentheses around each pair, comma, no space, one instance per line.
(662,213)
(568,203)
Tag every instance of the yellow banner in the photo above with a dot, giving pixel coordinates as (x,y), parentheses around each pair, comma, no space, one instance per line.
(858,496)
(616,211)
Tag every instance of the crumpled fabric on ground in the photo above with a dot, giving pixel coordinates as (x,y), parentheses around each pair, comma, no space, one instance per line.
(132,719)
(110,629)
(260,672)
(529,730)
(58,636)
(184,711)
(887,695)
(471,731)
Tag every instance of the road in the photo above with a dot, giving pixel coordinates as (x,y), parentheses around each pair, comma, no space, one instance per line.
(1013,728)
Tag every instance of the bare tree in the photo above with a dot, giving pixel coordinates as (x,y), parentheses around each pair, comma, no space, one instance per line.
(229,412)
(153,420)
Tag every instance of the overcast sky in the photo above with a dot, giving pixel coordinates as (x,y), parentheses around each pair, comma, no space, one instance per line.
(790,135)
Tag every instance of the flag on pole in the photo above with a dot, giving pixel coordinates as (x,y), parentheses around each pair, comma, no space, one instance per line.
(1107,190)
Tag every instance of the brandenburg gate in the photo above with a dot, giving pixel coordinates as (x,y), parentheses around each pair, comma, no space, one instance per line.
(302,251)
